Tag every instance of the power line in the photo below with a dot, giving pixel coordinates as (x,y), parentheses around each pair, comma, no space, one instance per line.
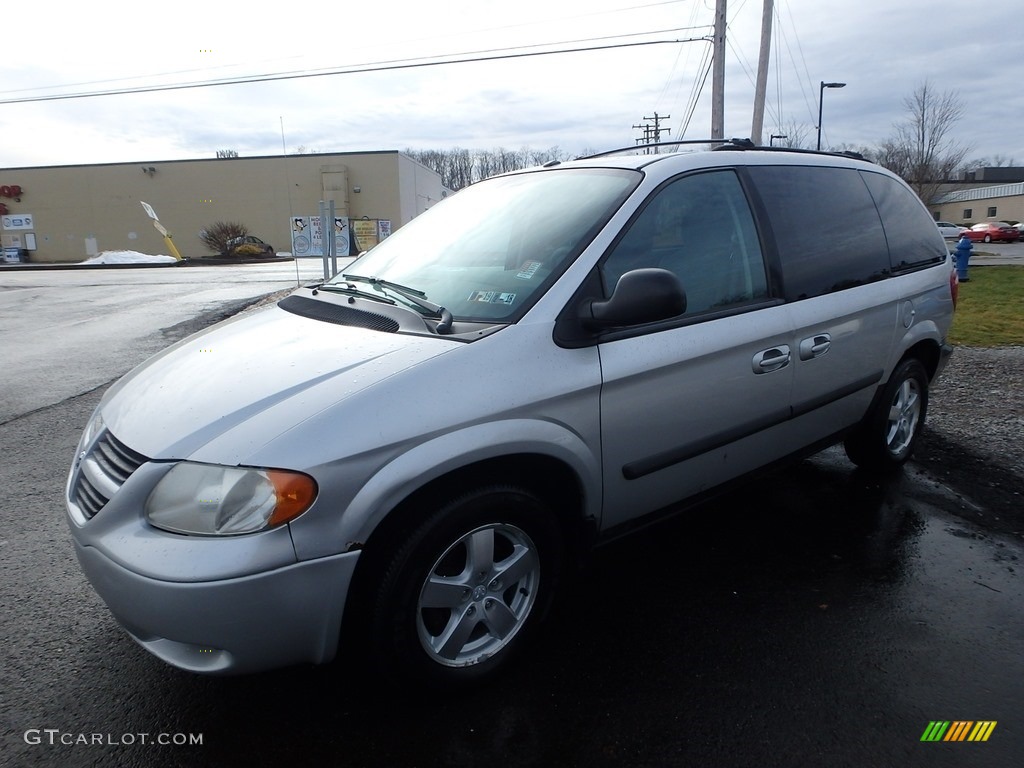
(400,64)
(806,86)
(696,93)
(478,31)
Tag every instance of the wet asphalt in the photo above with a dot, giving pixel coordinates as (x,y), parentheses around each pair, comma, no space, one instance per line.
(814,617)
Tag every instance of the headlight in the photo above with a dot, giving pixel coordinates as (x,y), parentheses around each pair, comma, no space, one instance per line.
(207,499)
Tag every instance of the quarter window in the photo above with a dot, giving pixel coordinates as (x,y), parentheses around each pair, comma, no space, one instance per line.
(699,227)
(908,229)
(826,227)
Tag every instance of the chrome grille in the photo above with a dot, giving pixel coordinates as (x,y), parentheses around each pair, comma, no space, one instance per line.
(102,472)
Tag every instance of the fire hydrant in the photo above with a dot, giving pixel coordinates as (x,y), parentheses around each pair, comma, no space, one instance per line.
(963,255)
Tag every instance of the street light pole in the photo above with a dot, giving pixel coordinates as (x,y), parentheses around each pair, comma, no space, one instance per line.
(821,94)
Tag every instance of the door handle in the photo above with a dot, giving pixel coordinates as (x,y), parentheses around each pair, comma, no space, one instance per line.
(773,359)
(815,346)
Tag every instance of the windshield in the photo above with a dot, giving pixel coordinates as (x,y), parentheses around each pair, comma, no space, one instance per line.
(488,252)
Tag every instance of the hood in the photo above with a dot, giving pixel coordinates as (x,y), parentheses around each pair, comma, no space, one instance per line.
(257,375)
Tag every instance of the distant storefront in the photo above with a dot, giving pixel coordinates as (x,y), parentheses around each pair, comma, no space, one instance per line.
(69,213)
(1002,202)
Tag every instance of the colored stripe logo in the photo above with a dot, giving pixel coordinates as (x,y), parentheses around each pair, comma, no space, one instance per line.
(958,730)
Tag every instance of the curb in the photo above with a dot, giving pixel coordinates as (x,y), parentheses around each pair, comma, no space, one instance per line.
(212,262)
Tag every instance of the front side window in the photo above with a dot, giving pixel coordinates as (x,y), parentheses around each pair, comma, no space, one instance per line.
(488,252)
(701,228)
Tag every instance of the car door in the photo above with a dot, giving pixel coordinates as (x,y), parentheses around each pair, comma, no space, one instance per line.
(836,274)
(690,403)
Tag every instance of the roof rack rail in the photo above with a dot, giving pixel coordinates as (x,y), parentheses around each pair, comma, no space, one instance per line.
(799,151)
(726,144)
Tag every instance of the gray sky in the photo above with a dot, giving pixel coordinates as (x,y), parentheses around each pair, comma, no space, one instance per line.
(578,101)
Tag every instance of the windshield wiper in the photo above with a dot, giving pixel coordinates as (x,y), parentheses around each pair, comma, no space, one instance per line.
(351,290)
(414,297)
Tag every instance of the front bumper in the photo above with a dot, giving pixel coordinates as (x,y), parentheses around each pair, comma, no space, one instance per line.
(289,615)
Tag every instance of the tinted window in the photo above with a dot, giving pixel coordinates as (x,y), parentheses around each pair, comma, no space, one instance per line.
(826,227)
(701,228)
(908,227)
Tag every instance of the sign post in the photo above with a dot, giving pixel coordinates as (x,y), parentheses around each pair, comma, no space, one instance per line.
(161,229)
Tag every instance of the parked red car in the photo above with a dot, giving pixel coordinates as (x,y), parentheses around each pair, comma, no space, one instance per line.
(988,231)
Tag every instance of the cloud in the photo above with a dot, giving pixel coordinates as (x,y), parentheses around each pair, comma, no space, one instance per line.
(881,50)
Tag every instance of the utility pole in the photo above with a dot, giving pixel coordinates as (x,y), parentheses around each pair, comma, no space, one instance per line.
(718,74)
(762,73)
(652,133)
(647,137)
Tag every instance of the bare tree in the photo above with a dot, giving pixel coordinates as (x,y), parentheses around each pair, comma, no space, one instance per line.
(996,161)
(793,136)
(459,167)
(921,148)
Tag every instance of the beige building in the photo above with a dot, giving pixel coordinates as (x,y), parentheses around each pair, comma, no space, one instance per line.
(68,213)
(1003,202)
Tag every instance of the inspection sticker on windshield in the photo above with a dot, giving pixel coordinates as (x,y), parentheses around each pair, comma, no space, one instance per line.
(529,270)
(492,297)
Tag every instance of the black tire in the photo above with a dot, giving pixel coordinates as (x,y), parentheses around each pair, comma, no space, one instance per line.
(465,591)
(886,438)
(988,238)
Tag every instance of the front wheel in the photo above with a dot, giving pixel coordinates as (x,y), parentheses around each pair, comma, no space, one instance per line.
(988,238)
(886,438)
(464,591)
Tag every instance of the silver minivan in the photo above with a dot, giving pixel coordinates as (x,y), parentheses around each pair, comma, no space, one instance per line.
(398,466)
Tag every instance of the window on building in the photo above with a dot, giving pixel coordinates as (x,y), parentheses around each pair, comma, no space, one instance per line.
(992,210)
(968,213)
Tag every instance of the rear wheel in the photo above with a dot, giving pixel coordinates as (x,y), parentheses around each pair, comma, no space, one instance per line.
(887,437)
(465,591)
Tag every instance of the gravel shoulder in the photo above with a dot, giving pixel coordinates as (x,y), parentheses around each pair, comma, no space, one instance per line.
(972,437)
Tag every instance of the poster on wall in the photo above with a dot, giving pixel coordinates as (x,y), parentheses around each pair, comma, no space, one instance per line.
(308,236)
(365,233)
(17,221)
(368,232)
(341,238)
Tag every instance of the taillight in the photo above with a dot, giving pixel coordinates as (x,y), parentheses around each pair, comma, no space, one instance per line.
(954,286)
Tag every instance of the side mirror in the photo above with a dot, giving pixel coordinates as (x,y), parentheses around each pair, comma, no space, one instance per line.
(641,296)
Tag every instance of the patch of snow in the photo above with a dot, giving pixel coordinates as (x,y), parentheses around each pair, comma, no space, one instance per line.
(127,257)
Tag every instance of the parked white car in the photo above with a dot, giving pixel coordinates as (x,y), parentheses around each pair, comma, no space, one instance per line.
(949,230)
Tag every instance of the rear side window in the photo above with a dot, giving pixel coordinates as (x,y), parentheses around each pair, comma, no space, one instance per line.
(826,227)
(908,227)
